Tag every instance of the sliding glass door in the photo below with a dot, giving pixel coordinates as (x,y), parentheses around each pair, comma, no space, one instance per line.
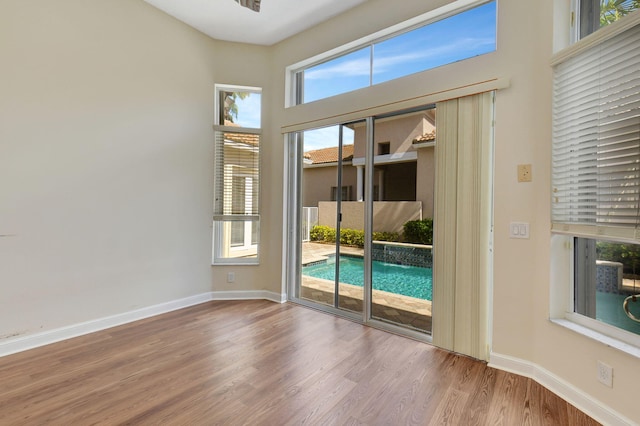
(359,186)
(332,230)
(399,244)
(403,182)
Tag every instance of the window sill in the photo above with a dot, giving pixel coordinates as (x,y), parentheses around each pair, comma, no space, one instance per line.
(598,337)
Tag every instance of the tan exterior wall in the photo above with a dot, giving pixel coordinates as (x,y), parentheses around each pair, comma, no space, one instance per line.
(411,180)
(317,183)
(388,216)
(399,132)
(425,180)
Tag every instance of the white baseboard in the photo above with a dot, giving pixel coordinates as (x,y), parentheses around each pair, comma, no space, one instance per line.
(249,295)
(560,387)
(31,341)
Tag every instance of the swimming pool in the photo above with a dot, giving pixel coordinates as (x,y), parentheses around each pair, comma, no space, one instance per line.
(399,279)
(609,310)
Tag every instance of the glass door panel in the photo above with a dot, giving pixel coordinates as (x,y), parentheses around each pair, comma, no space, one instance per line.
(332,224)
(402,229)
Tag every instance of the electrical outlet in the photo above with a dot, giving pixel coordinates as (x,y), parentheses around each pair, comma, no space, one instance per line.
(231,277)
(605,374)
(524,173)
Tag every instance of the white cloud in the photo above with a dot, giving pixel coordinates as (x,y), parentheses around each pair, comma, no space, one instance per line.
(350,68)
(360,67)
(386,62)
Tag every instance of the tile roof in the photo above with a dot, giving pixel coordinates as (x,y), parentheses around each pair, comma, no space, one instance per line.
(329,155)
(244,138)
(427,137)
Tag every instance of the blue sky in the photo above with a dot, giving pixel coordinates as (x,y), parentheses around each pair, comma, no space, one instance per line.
(326,137)
(248,111)
(458,37)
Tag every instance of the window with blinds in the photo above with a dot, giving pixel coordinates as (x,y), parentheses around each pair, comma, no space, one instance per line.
(596,139)
(236,209)
(596,177)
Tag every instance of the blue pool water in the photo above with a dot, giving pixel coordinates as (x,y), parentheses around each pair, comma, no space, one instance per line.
(399,279)
(609,310)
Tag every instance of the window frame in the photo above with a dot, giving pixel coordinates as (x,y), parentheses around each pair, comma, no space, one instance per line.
(578,19)
(563,249)
(250,220)
(294,80)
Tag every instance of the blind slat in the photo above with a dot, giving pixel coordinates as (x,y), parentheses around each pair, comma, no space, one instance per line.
(237,178)
(596,140)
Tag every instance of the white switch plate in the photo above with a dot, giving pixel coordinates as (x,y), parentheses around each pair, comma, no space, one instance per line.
(519,230)
(231,277)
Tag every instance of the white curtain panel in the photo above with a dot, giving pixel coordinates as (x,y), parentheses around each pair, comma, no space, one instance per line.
(251,4)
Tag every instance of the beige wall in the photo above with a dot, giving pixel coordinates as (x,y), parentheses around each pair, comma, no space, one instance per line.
(425,180)
(317,183)
(105,161)
(106,150)
(398,131)
(248,65)
(387,216)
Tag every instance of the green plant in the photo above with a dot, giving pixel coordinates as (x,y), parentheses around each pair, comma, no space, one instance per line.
(627,254)
(349,237)
(418,231)
(352,237)
(386,236)
(323,233)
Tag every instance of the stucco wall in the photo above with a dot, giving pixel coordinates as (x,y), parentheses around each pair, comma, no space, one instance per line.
(317,183)
(388,216)
(398,131)
(425,180)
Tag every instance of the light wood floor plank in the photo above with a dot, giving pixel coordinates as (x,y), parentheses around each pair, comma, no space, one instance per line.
(261,363)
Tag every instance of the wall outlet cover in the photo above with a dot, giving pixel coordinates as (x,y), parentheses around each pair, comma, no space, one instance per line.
(524,173)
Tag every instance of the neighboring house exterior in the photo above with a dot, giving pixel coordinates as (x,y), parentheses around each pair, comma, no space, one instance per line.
(404,165)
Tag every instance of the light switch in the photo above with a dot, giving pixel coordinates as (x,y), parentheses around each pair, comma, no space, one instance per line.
(519,230)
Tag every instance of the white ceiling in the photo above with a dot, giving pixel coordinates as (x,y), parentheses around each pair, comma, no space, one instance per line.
(277,19)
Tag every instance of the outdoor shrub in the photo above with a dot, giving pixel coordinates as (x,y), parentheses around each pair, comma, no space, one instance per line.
(323,233)
(418,231)
(352,237)
(349,237)
(386,236)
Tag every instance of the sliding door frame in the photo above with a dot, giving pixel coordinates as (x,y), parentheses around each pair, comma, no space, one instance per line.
(294,206)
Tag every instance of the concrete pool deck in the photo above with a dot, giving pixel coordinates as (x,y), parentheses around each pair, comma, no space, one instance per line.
(404,310)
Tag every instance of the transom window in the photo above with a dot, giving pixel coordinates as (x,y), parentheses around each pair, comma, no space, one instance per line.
(415,49)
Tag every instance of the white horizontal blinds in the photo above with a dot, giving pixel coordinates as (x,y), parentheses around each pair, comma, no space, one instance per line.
(237,178)
(596,140)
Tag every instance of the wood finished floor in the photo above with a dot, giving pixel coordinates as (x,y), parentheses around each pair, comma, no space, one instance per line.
(261,363)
